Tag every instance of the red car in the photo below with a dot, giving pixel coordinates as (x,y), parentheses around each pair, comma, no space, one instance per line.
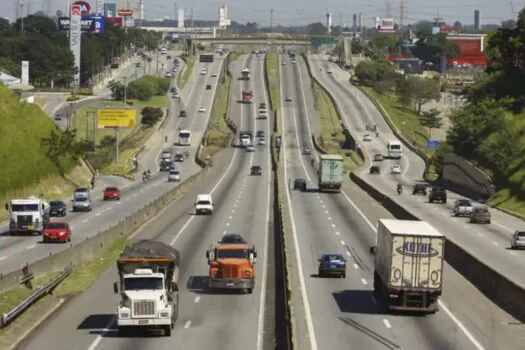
(111,193)
(262,105)
(57,231)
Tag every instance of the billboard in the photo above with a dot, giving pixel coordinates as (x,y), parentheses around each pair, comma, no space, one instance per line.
(85,7)
(125,12)
(385,25)
(117,118)
(88,24)
(74,40)
(116,21)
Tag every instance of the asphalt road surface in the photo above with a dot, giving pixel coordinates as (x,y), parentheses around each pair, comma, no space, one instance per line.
(16,251)
(207,320)
(489,243)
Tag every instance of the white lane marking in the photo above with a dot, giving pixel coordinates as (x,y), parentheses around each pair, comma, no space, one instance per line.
(72,227)
(387,323)
(356,266)
(227,224)
(333,225)
(337,233)
(465,226)
(197,299)
(323,206)
(342,242)
(326,211)
(230,217)
(364,281)
(141,190)
(85,220)
(187,324)
(513,253)
(99,337)
(31,246)
(348,253)
(495,243)
(224,232)
(135,194)
(3,257)
(480,234)
(461,326)
(97,214)
(321,201)
(108,209)
(304,294)
(464,329)
(329,218)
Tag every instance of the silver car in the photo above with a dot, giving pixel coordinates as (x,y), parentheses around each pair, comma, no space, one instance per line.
(174,175)
(517,240)
(250,148)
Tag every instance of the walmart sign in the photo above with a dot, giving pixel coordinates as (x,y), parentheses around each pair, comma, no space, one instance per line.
(89,24)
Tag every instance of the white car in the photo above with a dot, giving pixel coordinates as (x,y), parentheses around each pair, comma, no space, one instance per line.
(168,75)
(202,109)
(174,175)
(203,72)
(367,137)
(250,148)
(261,141)
(396,169)
(294,61)
(166,155)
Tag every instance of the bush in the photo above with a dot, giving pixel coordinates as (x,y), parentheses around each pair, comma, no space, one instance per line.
(141,89)
(151,115)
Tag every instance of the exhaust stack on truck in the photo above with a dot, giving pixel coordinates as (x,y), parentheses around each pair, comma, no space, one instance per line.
(148,271)
(408,269)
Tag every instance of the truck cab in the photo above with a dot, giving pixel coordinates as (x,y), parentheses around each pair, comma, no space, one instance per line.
(245,138)
(27,215)
(82,199)
(232,266)
(204,204)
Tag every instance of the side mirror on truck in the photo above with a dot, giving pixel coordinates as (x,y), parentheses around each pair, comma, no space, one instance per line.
(373,250)
(115,287)
(6,206)
(174,286)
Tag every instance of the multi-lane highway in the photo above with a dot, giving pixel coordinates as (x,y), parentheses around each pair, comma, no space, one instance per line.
(343,311)
(15,251)
(206,320)
(488,243)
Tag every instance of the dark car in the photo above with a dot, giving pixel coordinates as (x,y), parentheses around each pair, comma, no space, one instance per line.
(232,238)
(437,194)
(57,208)
(208,87)
(299,184)
(256,170)
(480,215)
(179,157)
(374,169)
(259,133)
(420,188)
(173,89)
(332,265)
(165,165)
(183,114)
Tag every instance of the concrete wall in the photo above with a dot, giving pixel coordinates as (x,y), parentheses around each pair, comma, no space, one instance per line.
(462,177)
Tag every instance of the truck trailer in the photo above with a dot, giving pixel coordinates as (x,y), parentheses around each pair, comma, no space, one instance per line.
(330,173)
(148,272)
(408,270)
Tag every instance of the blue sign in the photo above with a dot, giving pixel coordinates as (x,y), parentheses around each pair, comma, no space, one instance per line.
(433,144)
(89,24)
(413,249)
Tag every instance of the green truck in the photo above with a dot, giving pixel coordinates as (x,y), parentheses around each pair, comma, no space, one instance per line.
(330,173)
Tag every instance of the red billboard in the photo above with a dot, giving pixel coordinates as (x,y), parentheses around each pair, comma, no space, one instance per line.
(116,21)
(125,12)
(85,7)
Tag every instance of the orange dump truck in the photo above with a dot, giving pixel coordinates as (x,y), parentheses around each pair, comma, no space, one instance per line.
(232,266)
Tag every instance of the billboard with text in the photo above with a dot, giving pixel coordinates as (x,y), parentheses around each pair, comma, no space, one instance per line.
(88,24)
(117,118)
(116,21)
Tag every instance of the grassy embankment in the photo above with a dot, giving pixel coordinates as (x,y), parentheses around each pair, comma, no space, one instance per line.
(130,140)
(187,72)
(272,69)
(26,168)
(332,137)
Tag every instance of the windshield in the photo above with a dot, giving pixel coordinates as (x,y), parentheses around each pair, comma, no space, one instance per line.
(56,204)
(174,173)
(395,147)
(464,203)
(232,254)
(203,203)
(56,226)
(143,283)
(81,199)
(521,234)
(111,189)
(24,207)
(185,135)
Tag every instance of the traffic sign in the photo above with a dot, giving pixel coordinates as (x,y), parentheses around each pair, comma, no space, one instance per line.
(316,41)
(433,144)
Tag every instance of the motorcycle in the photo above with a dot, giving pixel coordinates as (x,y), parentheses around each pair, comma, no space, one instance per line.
(399,190)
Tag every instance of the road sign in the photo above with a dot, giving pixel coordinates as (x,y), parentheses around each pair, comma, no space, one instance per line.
(117,118)
(322,41)
(433,144)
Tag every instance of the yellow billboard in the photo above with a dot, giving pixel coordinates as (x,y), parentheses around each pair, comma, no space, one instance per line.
(117,118)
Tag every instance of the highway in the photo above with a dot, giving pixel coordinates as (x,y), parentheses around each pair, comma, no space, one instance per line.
(16,251)
(488,243)
(218,321)
(339,312)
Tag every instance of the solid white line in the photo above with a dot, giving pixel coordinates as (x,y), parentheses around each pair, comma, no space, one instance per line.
(304,294)
(464,329)
(387,323)
(187,324)
(99,337)
(197,299)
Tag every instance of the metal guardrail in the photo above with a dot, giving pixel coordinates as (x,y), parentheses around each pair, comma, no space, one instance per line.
(10,316)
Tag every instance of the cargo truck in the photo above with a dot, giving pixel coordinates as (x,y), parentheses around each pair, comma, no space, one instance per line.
(247,96)
(408,270)
(29,215)
(245,138)
(330,173)
(148,272)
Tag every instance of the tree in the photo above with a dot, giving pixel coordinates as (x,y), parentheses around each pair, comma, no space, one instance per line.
(405,93)
(457,26)
(430,119)
(424,91)
(317,28)
(430,47)
(509,24)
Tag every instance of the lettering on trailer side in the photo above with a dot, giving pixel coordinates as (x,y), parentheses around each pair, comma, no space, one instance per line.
(413,249)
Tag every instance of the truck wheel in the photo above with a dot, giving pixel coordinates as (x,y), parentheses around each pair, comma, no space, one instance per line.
(343,275)
(167,331)
(249,290)
(123,331)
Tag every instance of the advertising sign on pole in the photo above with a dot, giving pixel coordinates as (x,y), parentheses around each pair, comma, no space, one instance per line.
(25,72)
(117,118)
(74,40)
(85,7)
(90,24)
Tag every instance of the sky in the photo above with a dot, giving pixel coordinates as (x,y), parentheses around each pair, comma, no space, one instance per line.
(298,12)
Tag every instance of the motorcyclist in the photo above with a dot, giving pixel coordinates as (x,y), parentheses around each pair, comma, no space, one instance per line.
(144,176)
(92,182)
(148,173)
(312,162)
(399,188)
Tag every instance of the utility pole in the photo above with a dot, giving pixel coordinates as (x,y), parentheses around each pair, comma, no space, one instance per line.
(95,115)
(271,21)
(21,17)
(401,18)
(191,19)
(175,18)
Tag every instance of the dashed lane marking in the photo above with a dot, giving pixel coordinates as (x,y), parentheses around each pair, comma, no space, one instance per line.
(227,224)
(342,242)
(85,220)
(330,218)
(197,299)
(364,281)
(333,225)
(495,243)
(387,323)
(97,214)
(356,266)
(337,233)
(187,324)
(3,257)
(31,247)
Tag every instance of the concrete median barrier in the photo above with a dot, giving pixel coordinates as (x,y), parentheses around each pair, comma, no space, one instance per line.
(508,295)
(93,246)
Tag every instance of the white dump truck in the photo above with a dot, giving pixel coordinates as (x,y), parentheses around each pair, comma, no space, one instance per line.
(29,215)
(408,272)
(149,272)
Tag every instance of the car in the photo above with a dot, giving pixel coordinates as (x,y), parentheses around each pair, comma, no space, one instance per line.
(204,204)
(137,64)
(173,89)
(208,87)
(203,72)
(165,165)
(437,194)
(57,231)
(283,63)
(463,207)
(261,141)
(202,109)
(480,214)
(169,74)
(174,69)
(307,151)
(174,175)
(183,114)
(262,116)
(419,188)
(175,95)
(329,71)
(262,105)
(259,133)
(256,170)
(374,169)
(168,57)
(396,169)
(288,99)
(179,157)
(299,184)
(294,61)
(332,265)
(57,208)
(166,155)
(250,148)
(232,238)
(111,193)
(367,137)
(517,241)
(214,75)
(378,157)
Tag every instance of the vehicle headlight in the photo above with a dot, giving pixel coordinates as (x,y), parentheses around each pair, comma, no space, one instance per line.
(164,314)
(124,314)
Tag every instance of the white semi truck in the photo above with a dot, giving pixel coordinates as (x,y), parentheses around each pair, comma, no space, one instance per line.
(408,272)
(149,272)
(29,215)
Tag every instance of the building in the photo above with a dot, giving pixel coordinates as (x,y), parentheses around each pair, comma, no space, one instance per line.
(223,17)
(477,20)
(471,48)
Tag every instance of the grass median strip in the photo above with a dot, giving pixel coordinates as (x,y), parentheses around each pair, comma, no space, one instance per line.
(272,69)
(332,136)
(183,78)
